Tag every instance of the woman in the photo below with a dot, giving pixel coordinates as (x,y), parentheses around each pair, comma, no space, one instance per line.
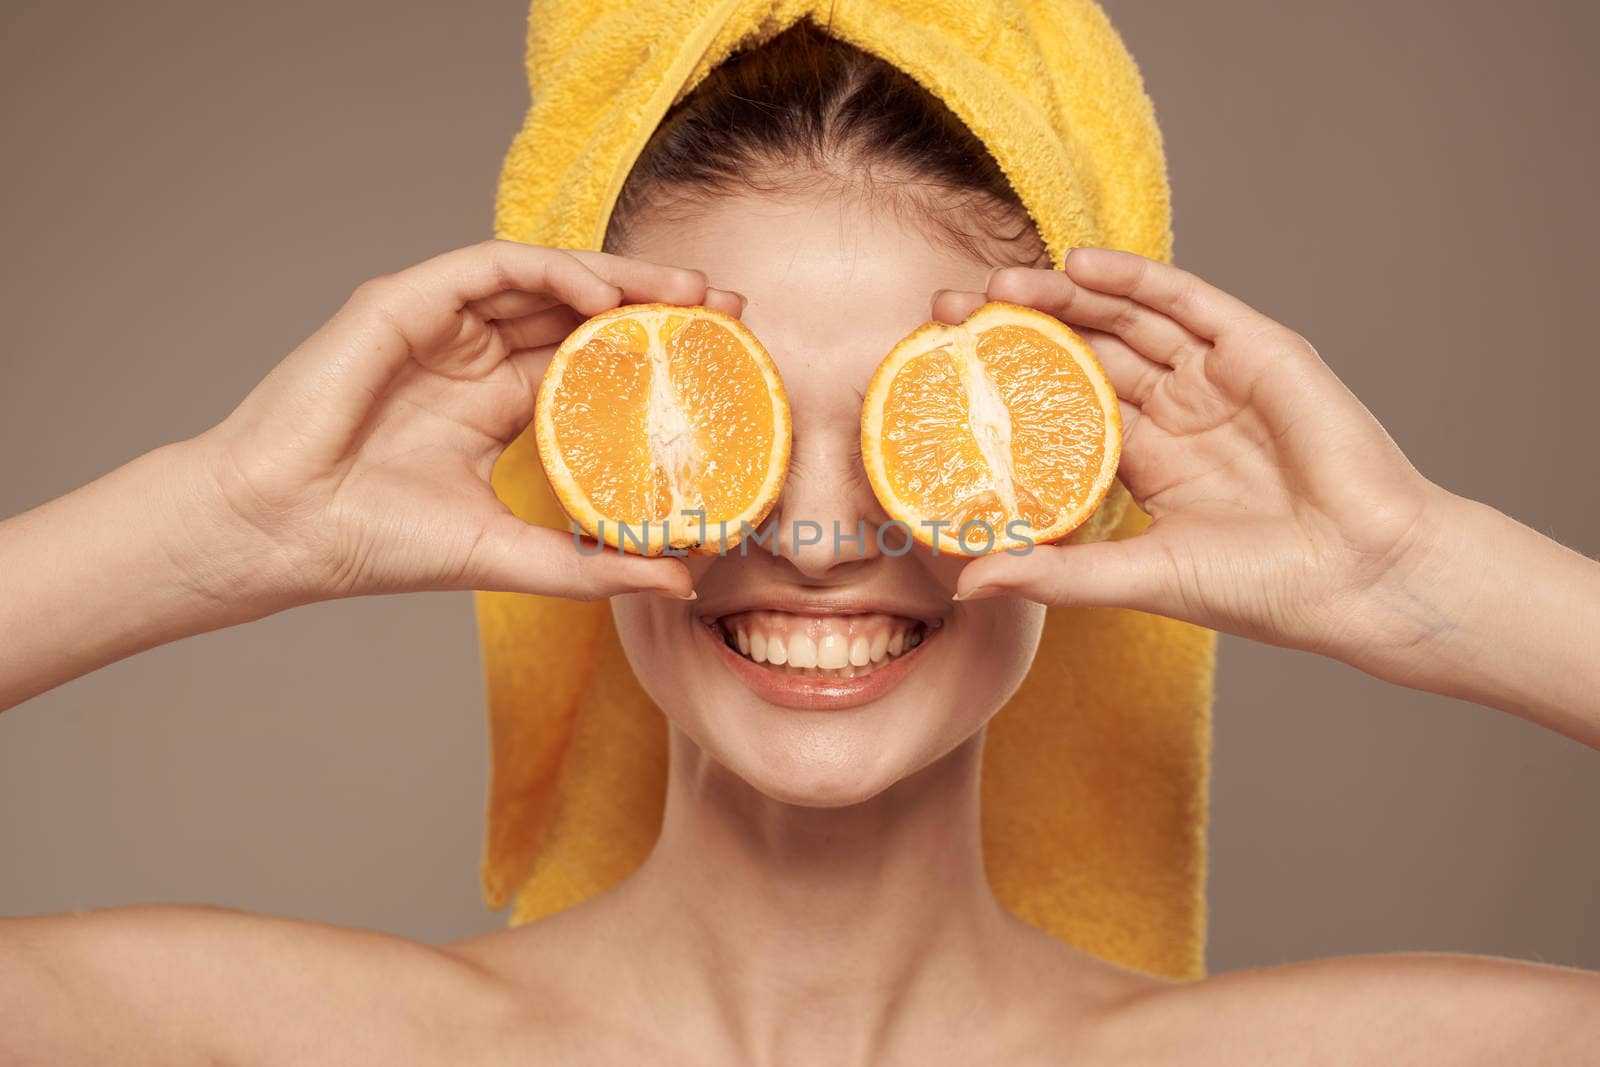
(817,893)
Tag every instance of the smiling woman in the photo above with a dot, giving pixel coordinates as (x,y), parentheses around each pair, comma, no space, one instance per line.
(807,184)
(754,178)
(765,807)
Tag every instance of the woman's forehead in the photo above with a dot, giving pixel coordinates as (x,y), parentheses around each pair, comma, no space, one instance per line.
(818,274)
(824,244)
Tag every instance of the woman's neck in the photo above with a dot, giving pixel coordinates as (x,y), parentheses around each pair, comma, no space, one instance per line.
(824,929)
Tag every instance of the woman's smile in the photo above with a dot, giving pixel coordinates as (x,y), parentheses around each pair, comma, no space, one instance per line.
(819,655)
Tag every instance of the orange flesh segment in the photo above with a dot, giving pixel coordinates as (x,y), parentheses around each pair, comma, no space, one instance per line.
(723,394)
(600,422)
(1058,429)
(994,428)
(925,461)
(664,412)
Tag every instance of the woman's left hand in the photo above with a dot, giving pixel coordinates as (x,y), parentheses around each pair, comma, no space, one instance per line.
(1282,511)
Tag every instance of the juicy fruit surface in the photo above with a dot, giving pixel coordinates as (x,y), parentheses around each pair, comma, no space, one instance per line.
(1005,417)
(650,411)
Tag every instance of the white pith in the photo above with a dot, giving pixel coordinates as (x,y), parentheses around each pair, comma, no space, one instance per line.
(673,445)
(987,416)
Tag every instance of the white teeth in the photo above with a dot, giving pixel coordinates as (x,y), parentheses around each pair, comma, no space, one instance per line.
(860,652)
(833,653)
(802,651)
(837,648)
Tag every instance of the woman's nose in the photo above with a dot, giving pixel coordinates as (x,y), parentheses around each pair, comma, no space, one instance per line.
(827,516)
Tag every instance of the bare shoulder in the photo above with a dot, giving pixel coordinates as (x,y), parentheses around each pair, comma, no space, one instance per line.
(571,982)
(1419,1008)
(181,983)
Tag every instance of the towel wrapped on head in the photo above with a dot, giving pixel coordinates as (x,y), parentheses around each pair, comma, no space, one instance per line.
(1096,773)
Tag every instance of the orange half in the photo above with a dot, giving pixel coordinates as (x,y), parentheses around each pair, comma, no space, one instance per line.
(1004,426)
(662,426)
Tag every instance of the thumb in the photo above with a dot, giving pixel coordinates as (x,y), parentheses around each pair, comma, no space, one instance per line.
(1132,573)
(515,557)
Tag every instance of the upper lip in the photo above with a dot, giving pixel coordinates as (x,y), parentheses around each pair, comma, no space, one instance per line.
(822,602)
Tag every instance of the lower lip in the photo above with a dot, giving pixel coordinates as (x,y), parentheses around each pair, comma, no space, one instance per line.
(814,693)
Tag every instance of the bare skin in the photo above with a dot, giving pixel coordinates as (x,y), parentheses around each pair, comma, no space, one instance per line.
(762,930)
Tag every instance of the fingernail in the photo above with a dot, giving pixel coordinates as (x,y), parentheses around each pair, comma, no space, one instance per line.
(662,590)
(977,593)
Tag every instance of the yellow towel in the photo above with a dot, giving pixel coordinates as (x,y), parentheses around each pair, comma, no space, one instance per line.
(1096,773)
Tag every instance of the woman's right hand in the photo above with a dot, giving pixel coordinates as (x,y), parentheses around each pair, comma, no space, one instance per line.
(361,463)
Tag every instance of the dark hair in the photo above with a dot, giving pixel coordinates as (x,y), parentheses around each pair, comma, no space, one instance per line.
(770,119)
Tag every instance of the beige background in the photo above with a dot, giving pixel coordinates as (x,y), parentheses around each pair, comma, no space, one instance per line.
(190,187)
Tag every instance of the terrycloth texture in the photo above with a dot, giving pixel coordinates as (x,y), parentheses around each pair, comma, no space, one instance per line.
(1096,774)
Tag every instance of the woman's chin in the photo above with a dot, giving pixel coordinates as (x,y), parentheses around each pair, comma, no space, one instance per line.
(826,759)
(790,778)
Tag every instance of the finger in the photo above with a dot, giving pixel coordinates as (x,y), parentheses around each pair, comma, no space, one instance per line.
(1197,305)
(1133,376)
(547,327)
(511,304)
(1152,333)
(953,305)
(725,300)
(1132,573)
(516,557)
(644,282)
(483,270)
(422,304)
(530,364)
